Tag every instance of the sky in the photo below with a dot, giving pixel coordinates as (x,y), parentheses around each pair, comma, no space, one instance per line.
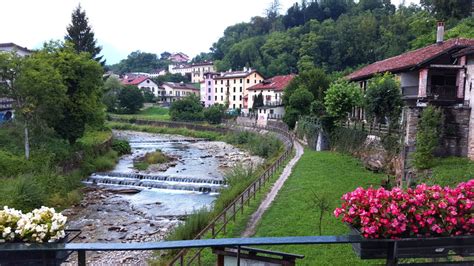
(124,26)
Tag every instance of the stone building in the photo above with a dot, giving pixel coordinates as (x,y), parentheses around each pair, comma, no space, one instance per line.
(441,74)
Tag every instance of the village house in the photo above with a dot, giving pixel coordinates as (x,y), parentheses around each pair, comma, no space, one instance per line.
(440,74)
(231,87)
(142,82)
(195,72)
(272,90)
(179,58)
(172,91)
(6,104)
(207,89)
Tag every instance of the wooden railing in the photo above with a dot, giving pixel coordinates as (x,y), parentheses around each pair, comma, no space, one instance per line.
(371,129)
(221,221)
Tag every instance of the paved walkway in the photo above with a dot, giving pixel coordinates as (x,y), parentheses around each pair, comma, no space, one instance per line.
(257,215)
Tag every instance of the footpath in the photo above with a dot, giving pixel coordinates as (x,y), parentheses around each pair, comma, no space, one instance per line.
(257,215)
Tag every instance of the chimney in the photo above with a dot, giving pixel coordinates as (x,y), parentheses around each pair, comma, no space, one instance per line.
(440,33)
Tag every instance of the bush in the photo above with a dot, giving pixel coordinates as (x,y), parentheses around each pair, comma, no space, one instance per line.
(25,194)
(214,114)
(11,165)
(121,146)
(383,99)
(427,137)
(347,140)
(263,146)
(187,109)
(341,97)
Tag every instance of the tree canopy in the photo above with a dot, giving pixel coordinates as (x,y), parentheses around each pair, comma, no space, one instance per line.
(81,35)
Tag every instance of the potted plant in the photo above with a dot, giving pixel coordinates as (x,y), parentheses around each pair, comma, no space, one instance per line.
(38,226)
(426,211)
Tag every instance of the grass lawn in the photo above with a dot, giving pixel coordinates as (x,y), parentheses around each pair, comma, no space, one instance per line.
(150,113)
(451,171)
(326,174)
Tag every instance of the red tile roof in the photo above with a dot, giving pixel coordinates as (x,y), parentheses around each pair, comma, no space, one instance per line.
(410,59)
(134,80)
(277,83)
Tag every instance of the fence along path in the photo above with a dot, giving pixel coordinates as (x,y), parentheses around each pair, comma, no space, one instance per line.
(220,222)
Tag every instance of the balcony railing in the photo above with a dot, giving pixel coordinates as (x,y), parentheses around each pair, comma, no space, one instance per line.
(273,103)
(434,93)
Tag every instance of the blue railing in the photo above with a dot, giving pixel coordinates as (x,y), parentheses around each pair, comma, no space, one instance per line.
(391,246)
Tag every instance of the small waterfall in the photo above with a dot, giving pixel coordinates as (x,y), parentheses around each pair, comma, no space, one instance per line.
(204,185)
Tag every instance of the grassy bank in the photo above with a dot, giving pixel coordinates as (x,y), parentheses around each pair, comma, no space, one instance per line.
(450,171)
(53,175)
(293,213)
(166,130)
(154,113)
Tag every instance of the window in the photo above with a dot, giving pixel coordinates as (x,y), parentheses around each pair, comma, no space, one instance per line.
(240,81)
(234,89)
(235,81)
(147,81)
(222,90)
(240,97)
(234,105)
(215,81)
(215,98)
(209,83)
(209,90)
(240,106)
(233,98)
(222,98)
(240,89)
(216,90)
(255,81)
(222,82)
(208,98)
(248,81)
(255,75)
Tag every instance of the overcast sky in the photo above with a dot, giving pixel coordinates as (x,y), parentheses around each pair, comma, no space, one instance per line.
(120,26)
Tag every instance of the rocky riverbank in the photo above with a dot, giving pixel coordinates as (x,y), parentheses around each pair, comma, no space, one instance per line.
(121,214)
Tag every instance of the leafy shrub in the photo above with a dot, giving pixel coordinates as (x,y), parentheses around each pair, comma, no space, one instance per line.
(121,146)
(214,114)
(341,97)
(347,140)
(187,109)
(11,165)
(427,137)
(25,194)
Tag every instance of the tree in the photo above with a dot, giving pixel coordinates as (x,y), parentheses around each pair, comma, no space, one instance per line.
(187,109)
(36,88)
(446,9)
(427,137)
(383,99)
(314,80)
(301,100)
(214,114)
(130,99)
(257,101)
(81,35)
(82,78)
(148,96)
(341,97)
(112,88)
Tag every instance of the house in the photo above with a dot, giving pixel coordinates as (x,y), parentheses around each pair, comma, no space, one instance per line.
(142,82)
(6,104)
(157,72)
(172,91)
(440,74)
(207,89)
(194,71)
(179,58)
(272,91)
(231,87)
(9,47)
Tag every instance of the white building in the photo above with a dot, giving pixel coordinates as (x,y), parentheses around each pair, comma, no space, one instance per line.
(142,82)
(172,91)
(9,47)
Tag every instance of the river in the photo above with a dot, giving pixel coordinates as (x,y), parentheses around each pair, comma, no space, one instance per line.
(165,195)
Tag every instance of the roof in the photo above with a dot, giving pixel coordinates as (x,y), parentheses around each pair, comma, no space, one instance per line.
(210,63)
(236,74)
(14,46)
(134,80)
(410,59)
(175,85)
(277,83)
(466,51)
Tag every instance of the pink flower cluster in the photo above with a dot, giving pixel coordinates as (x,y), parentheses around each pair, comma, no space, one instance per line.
(421,212)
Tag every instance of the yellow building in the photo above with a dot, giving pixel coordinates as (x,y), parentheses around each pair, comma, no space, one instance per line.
(231,87)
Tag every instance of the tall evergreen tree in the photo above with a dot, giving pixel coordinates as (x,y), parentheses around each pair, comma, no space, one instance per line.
(81,35)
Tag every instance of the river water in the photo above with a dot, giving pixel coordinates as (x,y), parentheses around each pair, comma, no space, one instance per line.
(165,194)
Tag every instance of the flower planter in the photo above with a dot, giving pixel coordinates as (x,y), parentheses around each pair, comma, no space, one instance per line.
(414,249)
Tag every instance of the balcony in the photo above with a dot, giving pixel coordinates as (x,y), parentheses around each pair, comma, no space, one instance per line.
(273,103)
(434,93)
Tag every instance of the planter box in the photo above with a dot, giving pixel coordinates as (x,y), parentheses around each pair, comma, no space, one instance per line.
(414,249)
(17,258)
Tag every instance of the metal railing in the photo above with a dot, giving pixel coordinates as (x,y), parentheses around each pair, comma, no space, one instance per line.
(392,247)
(220,222)
(371,129)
